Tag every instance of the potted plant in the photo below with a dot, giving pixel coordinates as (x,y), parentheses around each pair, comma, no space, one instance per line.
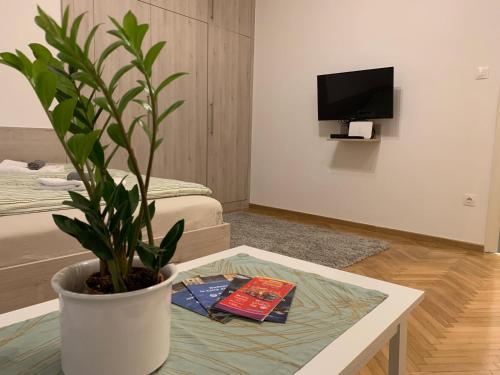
(115,310)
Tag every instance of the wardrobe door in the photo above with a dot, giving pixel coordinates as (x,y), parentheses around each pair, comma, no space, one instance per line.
(229,64)
(233,15)
(197,9)
(183,153)
(119,58)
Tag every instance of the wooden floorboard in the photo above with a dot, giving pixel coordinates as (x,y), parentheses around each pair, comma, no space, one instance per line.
(456,329)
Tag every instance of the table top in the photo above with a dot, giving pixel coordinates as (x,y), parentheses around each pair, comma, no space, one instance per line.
(346,354)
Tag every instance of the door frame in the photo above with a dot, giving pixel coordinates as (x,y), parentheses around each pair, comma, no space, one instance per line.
(492,233)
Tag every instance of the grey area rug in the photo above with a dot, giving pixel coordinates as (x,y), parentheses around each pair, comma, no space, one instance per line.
(307,242)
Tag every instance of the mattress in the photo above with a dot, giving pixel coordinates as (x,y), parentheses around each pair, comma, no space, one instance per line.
(20,193)
(34,236)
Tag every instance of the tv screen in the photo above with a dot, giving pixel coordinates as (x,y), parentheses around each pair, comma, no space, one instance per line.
(359,95)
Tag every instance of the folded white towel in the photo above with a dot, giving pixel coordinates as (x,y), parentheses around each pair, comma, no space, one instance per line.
(60,184)
(21,166)
(56,182)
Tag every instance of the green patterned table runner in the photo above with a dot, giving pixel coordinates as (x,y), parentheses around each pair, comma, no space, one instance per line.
(322,310)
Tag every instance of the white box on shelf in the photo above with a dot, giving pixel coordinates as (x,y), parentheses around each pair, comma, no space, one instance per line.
(361,128)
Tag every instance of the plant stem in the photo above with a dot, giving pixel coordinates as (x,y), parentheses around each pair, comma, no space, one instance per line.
(154,114)
(133,160)
(116,277)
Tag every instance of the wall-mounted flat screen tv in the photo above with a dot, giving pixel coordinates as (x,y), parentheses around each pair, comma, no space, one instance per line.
(359,95)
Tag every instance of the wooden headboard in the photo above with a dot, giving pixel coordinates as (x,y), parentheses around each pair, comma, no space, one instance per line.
(26,144)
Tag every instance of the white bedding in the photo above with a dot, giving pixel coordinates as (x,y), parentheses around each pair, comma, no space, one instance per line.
(34,236)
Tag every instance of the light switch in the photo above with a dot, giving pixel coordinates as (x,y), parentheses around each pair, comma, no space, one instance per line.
(483,72)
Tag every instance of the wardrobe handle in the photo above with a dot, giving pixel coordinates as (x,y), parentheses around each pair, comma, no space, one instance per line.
(212,11)
(211,118)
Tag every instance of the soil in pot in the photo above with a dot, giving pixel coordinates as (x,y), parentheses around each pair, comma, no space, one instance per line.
(139,278)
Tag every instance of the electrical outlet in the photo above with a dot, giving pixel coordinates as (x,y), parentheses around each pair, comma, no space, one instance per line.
(470,200)
(483,72)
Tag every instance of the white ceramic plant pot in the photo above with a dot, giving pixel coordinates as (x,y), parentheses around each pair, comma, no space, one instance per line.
(126,333)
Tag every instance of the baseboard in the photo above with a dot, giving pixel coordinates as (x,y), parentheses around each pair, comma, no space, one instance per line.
(374,228)
(234,206)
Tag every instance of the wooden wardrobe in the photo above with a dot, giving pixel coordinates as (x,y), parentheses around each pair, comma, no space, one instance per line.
(208,139)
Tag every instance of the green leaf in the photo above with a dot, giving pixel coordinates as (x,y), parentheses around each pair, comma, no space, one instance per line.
(169,110)
(76,27)
(45,87)
(85,234)
(134,235)
(141,33)
(114,223)
(158,143)
(148,255)
(101,102)
(116,135)
(97,155)
(81,145)
(119,34)
(168,80)
(81,121)
(127,97)
(133,196)
(152,55)
(144,104)
(108,191)
(152,210)
(9,59)
(130,25)
(84,78)
(41,52)
(130,131)
(72,61)
(62,116)
(119,74)
(65,19)
(46,22)
(108,51)
(90,38)
(173,236)
(25,61)
(38,67)
(147,130)
(65,88)
(169,243)
(80,201)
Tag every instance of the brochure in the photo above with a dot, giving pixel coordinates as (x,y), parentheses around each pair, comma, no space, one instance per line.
(207,289)
(278,315)
(181,296)
(256,299)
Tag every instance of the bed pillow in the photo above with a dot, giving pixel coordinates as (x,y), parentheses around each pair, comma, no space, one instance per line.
(22,167)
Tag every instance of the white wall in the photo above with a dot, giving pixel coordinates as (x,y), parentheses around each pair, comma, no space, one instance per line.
(437,148)
(19,105)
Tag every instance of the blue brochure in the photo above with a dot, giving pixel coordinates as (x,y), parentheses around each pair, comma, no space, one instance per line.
(182,297)
(207,290)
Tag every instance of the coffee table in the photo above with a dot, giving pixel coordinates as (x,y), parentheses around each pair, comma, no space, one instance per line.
(350,351)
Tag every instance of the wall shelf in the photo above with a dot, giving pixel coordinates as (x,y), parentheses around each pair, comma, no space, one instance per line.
(372,140)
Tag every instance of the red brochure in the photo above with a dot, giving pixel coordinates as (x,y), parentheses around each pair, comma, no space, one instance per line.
(256,299)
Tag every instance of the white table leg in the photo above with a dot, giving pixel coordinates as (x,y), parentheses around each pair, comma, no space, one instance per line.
(397,351)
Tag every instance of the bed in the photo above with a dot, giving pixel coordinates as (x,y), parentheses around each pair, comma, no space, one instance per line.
(32,248)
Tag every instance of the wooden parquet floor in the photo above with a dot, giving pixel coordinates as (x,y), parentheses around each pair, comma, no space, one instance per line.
(456,329)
